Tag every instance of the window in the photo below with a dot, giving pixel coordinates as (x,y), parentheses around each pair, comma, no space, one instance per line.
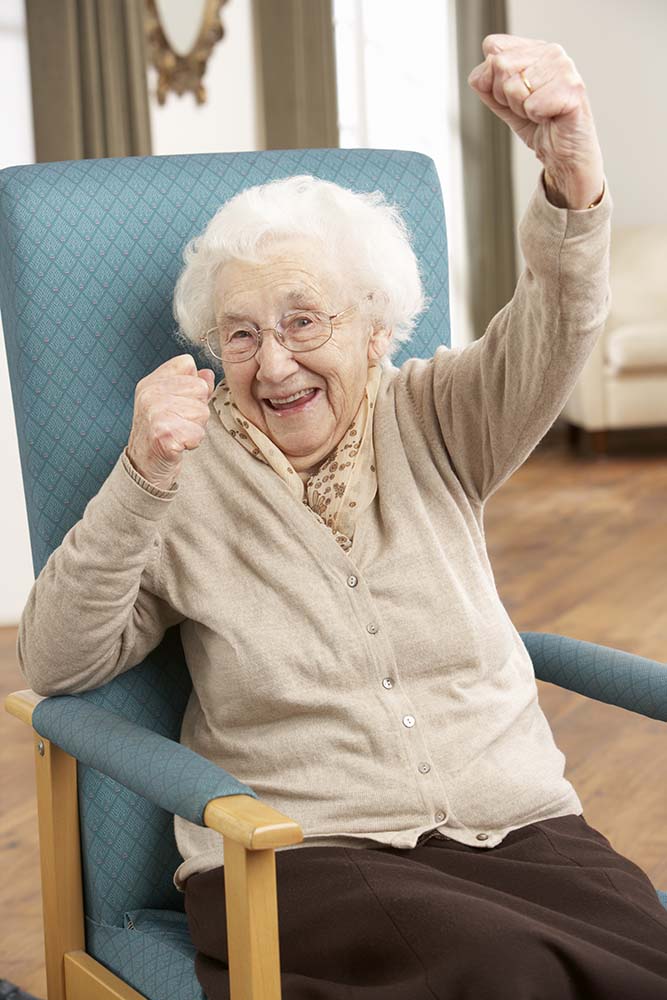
(397,89)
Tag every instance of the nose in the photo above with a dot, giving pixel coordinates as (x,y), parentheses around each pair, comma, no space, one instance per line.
(274,362)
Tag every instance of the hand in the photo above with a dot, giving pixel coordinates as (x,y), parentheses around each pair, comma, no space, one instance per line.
(555,120)
(170,416)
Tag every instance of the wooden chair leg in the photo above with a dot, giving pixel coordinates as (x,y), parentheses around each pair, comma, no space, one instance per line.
(60,860)
(252,922)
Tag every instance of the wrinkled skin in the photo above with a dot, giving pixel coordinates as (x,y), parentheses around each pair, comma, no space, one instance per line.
(555,120)
(339,368)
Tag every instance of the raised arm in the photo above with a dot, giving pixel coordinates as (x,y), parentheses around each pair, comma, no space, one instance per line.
(92,612)
(491,402)
(95,609)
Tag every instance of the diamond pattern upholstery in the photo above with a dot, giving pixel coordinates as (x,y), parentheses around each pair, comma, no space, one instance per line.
(600,672)
(89,253)
(152,951)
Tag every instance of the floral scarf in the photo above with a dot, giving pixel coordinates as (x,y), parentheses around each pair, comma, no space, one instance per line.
(346,482)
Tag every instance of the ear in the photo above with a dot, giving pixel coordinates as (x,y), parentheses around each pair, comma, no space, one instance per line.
(379,342)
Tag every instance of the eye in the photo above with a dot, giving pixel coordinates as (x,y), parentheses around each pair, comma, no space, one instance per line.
(300,321)
(240,335)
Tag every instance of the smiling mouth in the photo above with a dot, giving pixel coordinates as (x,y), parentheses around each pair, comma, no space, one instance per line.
(295,405)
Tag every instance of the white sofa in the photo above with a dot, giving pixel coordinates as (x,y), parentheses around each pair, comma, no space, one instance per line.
(624,381)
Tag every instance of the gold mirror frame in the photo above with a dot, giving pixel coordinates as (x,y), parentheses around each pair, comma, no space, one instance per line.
(178,73)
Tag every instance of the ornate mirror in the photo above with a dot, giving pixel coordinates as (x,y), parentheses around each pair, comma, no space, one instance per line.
(181,36)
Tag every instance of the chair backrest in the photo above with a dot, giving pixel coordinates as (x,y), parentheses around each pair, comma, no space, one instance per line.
(89,254)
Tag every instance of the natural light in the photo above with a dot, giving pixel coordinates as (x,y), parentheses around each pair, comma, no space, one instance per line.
(397,89)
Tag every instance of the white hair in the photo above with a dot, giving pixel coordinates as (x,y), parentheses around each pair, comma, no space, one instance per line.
(361,230)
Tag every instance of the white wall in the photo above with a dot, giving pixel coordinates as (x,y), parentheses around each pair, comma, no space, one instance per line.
(618,48)
(16,576)
(231,120)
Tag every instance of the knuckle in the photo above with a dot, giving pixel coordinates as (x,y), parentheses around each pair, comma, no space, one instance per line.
(170,445)
(183,363)
(161,428)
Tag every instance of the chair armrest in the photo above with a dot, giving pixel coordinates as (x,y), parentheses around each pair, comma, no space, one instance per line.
(159,769)
(600,672)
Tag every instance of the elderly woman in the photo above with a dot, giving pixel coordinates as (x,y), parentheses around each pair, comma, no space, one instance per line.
(322,548)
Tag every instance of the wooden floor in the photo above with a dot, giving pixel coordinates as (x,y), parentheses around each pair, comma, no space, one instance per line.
(579,547)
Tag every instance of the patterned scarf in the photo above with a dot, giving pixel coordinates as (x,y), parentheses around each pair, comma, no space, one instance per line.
(346,482)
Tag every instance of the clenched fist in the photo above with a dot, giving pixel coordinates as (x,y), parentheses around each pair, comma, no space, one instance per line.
(170,416)
(534,87)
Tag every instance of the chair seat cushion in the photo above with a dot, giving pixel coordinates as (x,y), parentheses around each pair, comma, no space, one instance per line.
(153,953)
(637,347)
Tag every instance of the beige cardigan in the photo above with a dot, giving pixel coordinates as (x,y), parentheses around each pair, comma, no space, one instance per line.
(370,695)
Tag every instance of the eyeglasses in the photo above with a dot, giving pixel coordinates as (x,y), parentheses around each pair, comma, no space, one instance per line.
(298,331)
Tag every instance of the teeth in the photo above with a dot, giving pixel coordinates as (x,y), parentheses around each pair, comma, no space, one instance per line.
(289,399)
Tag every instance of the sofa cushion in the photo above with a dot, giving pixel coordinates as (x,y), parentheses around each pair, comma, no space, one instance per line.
(637,347)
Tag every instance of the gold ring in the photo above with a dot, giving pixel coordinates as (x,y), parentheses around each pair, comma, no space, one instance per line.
(523,76)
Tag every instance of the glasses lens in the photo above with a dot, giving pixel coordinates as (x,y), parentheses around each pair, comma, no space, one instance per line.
(304,331)
(237,343)
(299,331)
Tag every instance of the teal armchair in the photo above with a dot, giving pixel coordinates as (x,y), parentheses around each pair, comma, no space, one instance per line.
(89,253)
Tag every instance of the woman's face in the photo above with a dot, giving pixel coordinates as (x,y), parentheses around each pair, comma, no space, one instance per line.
(263,293)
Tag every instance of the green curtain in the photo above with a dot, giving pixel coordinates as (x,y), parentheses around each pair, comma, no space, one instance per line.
(298,70)
(88,75)
(487,171)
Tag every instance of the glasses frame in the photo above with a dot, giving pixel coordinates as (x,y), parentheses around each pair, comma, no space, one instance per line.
(278,334)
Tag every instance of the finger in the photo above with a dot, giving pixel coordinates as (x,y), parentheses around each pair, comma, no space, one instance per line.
(208,375)
(180,385)
(493,44)
(538,65)
(181,363)
(539,68)
(524,128)
(181,435)
(491,74)
(187,409)
(516,92)
(556,98)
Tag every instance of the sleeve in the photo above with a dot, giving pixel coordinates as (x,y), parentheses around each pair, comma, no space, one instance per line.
(491,402)
(94,611)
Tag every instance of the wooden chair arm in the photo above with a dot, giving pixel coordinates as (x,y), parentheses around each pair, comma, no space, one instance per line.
(251,822)
(22,704)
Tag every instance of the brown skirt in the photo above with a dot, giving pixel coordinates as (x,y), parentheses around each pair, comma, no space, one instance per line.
(551,913)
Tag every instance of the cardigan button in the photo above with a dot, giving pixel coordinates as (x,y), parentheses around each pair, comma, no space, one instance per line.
(424,767)
(387,682)
(482,836)
(352,581)
(372,628)
(408,721)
